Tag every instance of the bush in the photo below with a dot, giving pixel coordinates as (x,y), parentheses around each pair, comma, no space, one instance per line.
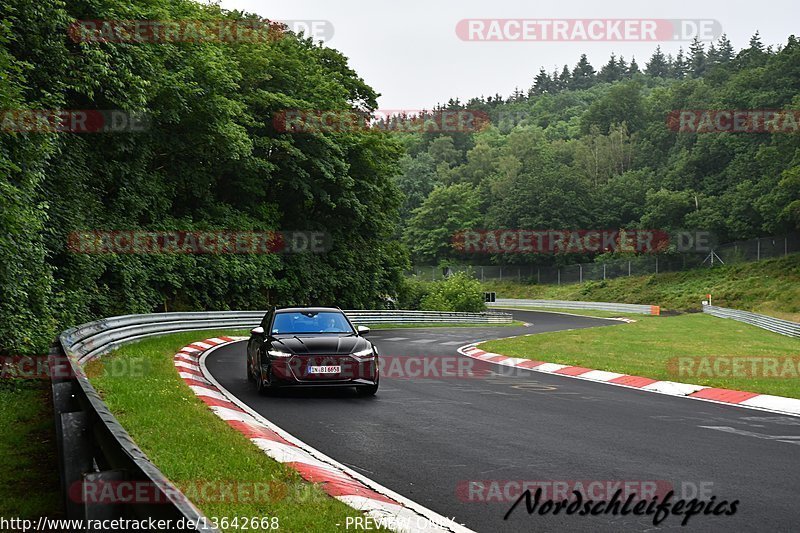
(411,292)
(460,292)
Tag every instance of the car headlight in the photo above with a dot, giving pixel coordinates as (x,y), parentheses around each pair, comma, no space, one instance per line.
(278,353)
(364,353)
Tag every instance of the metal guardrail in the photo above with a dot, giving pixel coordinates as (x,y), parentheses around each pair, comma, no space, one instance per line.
(776,325)
(426,317)
(94,448)
(562,304)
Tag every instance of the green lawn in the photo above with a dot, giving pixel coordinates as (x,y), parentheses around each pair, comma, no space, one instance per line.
(29,484)
(770,287)
(647,347)
(190,444)
(580,312)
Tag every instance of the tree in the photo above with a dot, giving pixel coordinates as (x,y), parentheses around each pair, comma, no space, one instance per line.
(725,52)
(621,104)
(754,55)
(564,79)
(612,71)
(697,58)
(583,75)
(416,180)
(657,66)
(434,225)
(680,68)
(543,84)
(633,69)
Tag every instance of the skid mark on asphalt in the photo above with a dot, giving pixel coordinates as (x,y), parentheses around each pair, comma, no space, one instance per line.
(789,439)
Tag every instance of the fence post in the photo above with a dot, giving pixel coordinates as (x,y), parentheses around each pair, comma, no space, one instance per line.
(785,246)
(482,275)
(629,268)
(581,273)
(559,276)
(758,249)
(519,274)
(501,273)
(604,271)
(538,276)
(656,264)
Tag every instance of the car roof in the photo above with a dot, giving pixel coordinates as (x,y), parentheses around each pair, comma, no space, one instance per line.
(307,310)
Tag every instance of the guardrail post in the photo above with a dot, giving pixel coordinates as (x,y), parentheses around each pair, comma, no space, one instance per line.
(94,481)
(76,457)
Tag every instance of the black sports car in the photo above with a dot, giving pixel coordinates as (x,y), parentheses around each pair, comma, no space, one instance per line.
(311,346)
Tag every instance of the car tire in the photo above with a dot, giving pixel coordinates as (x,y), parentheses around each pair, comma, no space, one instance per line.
(250,376)
(370,390)
(266,385)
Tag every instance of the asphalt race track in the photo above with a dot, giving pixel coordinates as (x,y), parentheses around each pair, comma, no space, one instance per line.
(426,437)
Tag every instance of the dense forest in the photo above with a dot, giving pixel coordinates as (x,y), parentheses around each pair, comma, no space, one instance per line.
(209,159)
(581,149)
(592,149)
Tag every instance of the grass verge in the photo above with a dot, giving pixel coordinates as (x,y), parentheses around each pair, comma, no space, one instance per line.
(653,345)
(771,287)
(192,446)
(29,484)
(579,312)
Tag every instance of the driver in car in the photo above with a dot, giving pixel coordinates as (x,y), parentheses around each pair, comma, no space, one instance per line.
(331,327)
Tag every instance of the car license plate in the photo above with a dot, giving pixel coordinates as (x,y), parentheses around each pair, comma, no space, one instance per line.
(324,369)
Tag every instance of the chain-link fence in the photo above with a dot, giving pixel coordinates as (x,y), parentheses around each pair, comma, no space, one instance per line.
(735,252)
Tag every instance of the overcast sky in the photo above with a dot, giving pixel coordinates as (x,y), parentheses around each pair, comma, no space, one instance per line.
(408,50)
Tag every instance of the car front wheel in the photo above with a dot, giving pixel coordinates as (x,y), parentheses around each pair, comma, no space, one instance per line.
(266,384)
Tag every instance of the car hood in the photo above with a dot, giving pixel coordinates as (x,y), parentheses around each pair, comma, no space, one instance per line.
(321,345)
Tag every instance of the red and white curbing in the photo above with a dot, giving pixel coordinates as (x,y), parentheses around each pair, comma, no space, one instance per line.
(765,402)
(386,507)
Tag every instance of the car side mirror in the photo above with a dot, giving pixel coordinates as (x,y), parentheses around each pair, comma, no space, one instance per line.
(363,330)
(257,331)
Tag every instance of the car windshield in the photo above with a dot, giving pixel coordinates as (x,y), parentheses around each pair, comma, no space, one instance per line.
(310,322)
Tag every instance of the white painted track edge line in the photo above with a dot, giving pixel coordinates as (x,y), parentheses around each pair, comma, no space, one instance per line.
(739,405)
(431,515)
